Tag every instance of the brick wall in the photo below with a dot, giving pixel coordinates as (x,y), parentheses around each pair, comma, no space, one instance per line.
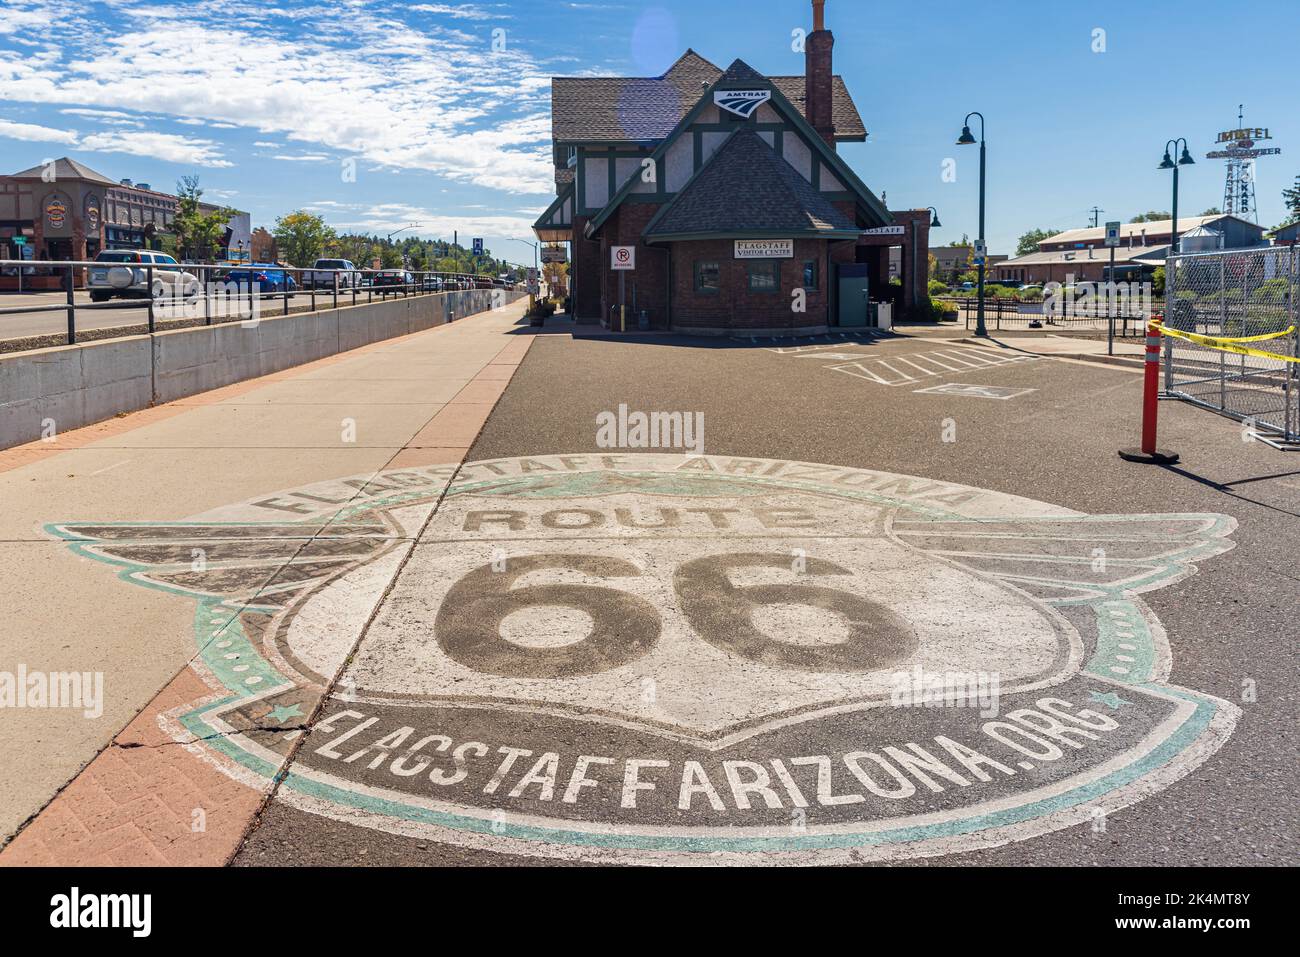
(734,307)
(585,273)
(647,285)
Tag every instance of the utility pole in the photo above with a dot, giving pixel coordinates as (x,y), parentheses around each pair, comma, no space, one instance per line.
(1095,214)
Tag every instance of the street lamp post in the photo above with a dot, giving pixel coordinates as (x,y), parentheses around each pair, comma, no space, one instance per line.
(532,299)
(1168,163)
(966,139)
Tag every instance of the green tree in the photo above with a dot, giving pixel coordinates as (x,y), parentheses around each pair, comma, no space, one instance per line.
(198,234)
(1151,216)
(302,237)
(1291,196)
(1028,243)
(1213,211)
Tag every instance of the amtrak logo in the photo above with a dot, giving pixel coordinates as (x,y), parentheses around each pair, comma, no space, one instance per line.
(741,102)
(658,658)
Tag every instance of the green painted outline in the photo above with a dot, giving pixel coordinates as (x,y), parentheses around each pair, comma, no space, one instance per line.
(1169,749)
(197,721)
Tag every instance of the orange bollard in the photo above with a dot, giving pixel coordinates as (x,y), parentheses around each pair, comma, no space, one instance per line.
(1148,453)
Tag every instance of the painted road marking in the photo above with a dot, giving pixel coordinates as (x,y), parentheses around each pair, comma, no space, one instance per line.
(973,391)
(669,659)
(926,365)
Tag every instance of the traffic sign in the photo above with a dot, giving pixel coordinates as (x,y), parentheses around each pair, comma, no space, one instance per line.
(20,240)
(1112,234)
(622,258)
(478,247)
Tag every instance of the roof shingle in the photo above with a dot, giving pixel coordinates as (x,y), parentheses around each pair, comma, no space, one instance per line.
(646,109)
(744,187)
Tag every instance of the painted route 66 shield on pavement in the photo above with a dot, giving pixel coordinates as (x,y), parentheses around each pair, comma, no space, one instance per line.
(674,659)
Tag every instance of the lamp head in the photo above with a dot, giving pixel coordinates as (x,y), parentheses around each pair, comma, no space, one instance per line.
(1186,158)
(934,222)
(966,139)
(1166,163)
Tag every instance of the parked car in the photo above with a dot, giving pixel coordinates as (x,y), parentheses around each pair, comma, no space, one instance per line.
(126,273)
(322,273)
(392,278)
(268,278)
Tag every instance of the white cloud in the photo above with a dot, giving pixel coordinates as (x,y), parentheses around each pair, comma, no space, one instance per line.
(383,218)
(397,91)
(163,146)
(462,11)
(37,134)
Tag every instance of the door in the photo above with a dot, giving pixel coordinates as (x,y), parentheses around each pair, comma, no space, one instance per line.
(852,288)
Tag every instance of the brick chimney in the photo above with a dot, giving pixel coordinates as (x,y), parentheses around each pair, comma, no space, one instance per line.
(818,48)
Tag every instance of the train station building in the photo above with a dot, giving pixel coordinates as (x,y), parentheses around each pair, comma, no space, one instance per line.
(714,201)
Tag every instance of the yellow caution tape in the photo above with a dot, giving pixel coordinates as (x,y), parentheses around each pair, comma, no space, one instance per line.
(1270,335)
(1233,345)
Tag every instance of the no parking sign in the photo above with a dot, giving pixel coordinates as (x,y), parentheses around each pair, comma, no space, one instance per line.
(622,258)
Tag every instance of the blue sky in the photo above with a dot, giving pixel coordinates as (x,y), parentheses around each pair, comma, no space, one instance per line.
(273,104)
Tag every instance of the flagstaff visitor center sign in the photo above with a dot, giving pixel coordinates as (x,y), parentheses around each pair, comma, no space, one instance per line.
(682,658)
(764,248)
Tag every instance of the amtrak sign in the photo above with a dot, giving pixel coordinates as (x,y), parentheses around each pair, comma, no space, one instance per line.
(674,659)
(741,102)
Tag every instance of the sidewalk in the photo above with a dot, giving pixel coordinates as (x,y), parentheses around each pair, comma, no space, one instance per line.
(1127,353)
(406,403)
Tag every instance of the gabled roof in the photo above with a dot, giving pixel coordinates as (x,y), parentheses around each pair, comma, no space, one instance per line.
(1074,257)
(646,109)
(553,225)
(874,211)
(66,168)
(746,188)
(741,72)
(1159,227)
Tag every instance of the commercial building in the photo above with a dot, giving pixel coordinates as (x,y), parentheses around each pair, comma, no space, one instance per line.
(951,261)
(64,210)
(1082,254)
(714,201)
(1287,235)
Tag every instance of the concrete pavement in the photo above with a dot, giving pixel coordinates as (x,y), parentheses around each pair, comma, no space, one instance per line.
(412,402)
(576,647)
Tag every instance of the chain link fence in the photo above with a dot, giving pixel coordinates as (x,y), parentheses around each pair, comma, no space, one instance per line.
(1233,294)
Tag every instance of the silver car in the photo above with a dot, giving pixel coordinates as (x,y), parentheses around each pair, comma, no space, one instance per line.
(126,273)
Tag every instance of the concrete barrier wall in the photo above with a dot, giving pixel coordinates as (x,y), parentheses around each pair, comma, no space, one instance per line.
(68,387)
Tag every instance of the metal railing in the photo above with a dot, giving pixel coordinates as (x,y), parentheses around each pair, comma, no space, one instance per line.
(194,293)
(1129,317)
(1237,293)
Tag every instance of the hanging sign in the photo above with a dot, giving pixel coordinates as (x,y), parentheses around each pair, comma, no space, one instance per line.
(56,213)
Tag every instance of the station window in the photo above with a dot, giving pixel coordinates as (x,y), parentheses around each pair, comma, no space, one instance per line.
(810,275)
(708,277)
(765,275)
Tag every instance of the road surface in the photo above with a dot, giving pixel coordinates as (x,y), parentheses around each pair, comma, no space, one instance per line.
(870,600)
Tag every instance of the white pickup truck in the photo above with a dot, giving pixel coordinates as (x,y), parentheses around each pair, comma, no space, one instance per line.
(321,275)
